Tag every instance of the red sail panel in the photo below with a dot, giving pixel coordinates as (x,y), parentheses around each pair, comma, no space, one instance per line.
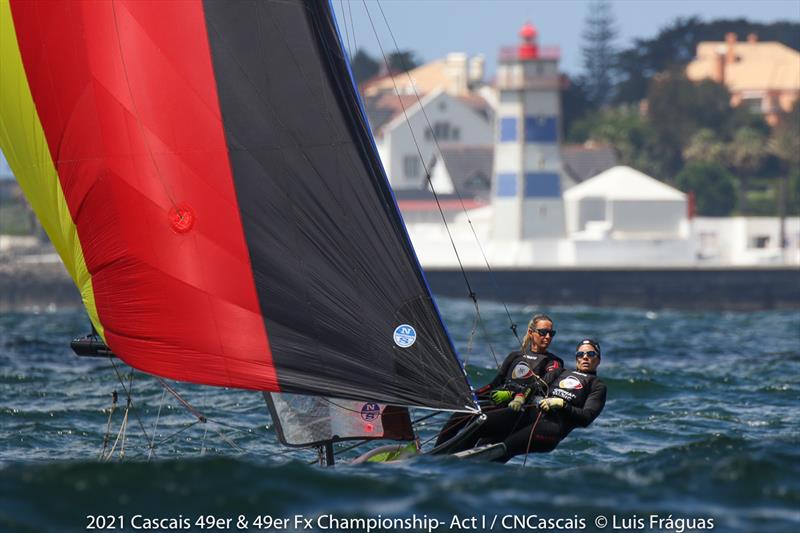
(127,98)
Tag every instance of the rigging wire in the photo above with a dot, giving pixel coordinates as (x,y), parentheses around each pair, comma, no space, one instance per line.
(513,325)
(128,396)
(155,425)
(472,294)
(108,424)
(346,31)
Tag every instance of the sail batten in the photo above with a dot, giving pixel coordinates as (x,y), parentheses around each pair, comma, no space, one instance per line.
(236,224)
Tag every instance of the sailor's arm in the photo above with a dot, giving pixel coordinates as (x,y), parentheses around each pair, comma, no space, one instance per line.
(583,416)
(500,378)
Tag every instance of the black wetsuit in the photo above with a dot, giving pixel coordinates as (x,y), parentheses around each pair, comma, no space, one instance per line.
(520,373)
(584,396)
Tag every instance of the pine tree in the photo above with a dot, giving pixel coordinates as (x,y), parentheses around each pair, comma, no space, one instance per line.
(599,52)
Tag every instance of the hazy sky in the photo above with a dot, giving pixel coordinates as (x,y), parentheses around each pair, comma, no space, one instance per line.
(432,28)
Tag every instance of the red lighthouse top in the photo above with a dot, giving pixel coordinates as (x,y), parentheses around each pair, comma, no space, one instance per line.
(529,49)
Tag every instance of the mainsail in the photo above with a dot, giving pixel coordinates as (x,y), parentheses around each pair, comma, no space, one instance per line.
(206,172)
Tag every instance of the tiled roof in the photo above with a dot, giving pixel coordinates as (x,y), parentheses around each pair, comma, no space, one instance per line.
(470,168)
(757,66)
(582,162)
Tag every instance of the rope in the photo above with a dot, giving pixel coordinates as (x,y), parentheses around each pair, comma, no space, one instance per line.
(128,396)
(108,424)
(203,442)
(530,438)
(119,434)
(197,414)
(155,425)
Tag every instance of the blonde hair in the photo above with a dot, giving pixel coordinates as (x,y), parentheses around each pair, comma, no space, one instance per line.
(526,341)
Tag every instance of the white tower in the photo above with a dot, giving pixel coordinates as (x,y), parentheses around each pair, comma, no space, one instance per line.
(526,197)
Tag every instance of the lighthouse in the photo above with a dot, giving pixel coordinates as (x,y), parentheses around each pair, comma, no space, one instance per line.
(526,195)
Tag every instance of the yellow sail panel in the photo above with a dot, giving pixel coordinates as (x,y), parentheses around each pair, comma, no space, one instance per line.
(24,144)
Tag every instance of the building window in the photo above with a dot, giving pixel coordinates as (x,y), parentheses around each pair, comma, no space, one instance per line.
(506,184)
(442,131)
(411,166)
(508,129)
(760,241)
(753,104)
(542,185)
(541,129)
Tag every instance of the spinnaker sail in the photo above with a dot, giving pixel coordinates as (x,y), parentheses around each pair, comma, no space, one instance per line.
(206,172)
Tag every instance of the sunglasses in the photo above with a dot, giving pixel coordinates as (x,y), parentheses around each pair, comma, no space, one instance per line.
(545,332)
(591,354)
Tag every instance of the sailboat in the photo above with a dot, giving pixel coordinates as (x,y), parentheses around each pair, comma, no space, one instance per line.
(207,174)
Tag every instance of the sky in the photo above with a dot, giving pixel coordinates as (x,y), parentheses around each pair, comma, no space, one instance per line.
(433,28)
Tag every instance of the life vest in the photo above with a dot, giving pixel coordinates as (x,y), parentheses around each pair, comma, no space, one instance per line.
(573,387)
(525,367)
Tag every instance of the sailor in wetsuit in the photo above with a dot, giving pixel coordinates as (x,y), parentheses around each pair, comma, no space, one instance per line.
(523,375)
(576,398)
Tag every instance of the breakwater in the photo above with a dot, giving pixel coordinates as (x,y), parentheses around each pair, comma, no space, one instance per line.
(705,288)
(30,285)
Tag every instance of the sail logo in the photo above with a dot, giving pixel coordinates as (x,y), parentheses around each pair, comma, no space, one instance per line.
(405,335)
(370,411)
(570,383)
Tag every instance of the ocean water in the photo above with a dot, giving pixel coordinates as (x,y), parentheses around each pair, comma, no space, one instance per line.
(701,428)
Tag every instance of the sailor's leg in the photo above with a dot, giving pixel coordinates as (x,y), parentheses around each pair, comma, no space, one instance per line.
(455,424)
(496,427)
(538,437)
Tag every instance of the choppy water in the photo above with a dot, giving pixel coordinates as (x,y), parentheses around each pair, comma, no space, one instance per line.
(701,422)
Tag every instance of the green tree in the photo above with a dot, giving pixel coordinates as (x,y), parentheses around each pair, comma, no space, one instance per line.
(712,186)
(626,130)
(599,53)
(746,155)
(364,66)
(705,146)
(402,60)
(678,108)
(784,144)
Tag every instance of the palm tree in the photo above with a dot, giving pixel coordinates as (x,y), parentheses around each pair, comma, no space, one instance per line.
(746,153)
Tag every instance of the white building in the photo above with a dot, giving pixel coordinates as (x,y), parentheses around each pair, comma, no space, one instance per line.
(746,241)
(407,135)
(622,216)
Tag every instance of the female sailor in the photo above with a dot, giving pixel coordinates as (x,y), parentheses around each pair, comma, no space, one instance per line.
(523,376)
(575,399)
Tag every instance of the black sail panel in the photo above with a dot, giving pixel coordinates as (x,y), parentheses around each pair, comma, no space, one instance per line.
(347,310)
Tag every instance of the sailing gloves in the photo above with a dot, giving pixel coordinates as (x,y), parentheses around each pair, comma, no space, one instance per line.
(501,396)
(517,402)
(551,403)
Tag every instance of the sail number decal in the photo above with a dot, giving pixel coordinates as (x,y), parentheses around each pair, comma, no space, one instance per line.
(405,335)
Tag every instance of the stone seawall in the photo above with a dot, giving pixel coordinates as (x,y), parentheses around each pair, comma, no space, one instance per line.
(673,288)
(32,286)
(27,286)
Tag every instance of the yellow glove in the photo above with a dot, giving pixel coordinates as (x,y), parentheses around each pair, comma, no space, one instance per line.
(500,396)
(551,403)
(516,403)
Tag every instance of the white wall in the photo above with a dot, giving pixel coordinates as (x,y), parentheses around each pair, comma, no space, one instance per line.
(746,240)
(472,127)
(647,216)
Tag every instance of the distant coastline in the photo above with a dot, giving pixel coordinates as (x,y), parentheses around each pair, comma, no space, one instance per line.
(40,282)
